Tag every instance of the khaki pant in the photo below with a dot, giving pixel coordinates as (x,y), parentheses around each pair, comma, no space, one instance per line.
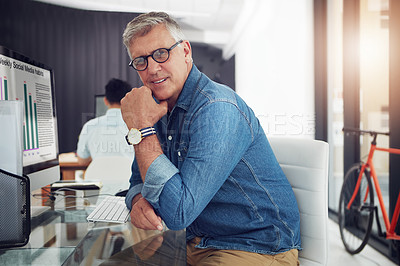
(213,257)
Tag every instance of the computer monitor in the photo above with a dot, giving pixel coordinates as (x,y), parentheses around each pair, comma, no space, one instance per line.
(22,78)
(99,106)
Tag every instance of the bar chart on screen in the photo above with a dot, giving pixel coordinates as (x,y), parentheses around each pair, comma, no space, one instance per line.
(3,88)
(30,127)
(20,81)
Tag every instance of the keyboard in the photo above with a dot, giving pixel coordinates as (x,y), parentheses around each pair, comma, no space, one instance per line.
(112,209)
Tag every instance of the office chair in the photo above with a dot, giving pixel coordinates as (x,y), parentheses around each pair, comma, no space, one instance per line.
(113,171)
(305,163)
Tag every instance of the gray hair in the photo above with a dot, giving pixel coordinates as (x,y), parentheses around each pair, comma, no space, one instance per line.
(144,23)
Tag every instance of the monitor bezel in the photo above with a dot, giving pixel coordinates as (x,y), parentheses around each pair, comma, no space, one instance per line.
(38,167)
(98,96)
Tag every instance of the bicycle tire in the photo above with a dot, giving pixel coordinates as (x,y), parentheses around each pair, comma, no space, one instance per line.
(356,224)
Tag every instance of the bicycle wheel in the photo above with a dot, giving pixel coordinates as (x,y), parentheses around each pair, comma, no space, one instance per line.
(355,223)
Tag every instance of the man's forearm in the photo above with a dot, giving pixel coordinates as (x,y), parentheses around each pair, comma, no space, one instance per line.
(146,152)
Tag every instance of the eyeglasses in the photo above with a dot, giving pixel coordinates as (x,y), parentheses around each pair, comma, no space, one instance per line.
(160,56)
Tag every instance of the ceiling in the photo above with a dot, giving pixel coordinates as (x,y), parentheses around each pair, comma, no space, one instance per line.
(214,22)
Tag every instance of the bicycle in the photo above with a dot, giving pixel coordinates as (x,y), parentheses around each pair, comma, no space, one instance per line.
(356,201)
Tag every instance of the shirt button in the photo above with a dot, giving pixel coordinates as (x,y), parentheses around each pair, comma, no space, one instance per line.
(169,137)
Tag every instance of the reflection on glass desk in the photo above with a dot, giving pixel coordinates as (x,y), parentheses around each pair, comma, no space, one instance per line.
(61,236)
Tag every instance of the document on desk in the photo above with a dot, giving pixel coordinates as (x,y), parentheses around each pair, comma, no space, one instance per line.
(69,157)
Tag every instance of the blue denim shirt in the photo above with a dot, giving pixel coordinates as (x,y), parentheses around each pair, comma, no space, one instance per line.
(218,176)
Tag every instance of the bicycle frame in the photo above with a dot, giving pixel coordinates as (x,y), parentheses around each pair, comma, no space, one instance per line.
(390,227)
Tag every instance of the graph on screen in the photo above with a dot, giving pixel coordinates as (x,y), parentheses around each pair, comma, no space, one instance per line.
(32,85)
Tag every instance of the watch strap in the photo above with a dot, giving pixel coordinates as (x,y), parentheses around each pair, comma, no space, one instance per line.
(147,131)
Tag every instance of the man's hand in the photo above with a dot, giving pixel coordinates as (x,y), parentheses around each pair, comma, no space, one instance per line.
(139,109)
(143,215)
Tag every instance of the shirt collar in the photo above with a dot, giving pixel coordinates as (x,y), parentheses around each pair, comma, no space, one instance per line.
(113,111)
(185,98)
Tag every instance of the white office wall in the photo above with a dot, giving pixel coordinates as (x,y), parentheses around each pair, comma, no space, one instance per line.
(275,66)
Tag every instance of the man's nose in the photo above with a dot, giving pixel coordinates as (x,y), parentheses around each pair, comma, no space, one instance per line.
(152,65)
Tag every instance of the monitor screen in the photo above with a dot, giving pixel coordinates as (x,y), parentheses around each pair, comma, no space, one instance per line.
(99,106)
(22,78)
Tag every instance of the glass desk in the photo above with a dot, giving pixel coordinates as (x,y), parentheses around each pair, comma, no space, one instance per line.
(61,236)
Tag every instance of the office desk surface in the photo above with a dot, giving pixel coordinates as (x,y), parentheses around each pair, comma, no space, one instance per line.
(62,236)
(69,164)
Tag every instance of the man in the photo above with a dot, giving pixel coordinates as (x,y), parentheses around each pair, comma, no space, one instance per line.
(204,161)
(104,135)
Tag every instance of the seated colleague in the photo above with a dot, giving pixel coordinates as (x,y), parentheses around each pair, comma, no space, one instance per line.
(209,168)
(105,135)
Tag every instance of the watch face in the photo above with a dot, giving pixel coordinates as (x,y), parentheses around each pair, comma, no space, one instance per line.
(134,136)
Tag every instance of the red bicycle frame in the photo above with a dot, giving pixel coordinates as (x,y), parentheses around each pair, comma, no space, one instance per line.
(390,227)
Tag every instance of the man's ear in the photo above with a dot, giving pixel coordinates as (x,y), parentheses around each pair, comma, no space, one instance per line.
(106,102)
(187,49)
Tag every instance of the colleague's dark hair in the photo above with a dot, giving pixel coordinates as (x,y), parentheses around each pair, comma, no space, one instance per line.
(116,90)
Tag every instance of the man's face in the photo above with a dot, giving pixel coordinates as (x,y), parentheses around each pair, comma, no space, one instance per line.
(166,79)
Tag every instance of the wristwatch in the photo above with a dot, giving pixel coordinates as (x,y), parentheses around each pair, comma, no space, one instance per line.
(135,135)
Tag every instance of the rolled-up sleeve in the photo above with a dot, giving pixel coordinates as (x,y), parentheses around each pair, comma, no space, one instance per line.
(132,192)
(136,185)
(159,172)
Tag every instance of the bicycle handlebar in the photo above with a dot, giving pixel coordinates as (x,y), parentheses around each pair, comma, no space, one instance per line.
(349,130)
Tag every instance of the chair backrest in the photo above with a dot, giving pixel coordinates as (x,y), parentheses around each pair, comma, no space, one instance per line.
(113,171)
(305,163)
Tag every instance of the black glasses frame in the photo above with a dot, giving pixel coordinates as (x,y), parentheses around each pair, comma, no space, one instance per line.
(152,56)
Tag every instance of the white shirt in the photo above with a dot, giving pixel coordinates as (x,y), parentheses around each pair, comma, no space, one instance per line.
(105,136)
